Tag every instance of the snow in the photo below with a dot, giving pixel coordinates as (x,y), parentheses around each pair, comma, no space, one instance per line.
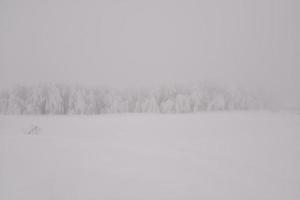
(216,155)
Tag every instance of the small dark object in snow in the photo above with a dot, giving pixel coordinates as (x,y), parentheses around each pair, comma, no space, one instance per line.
(33,130)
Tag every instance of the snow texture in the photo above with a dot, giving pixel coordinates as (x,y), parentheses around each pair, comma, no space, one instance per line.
(228,156)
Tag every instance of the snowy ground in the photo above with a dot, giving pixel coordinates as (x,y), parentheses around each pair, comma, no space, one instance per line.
(227,156)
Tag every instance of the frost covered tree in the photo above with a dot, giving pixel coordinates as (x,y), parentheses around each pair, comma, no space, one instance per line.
(17,100)
(168,106)
(4,100)
(91,103)
(77,104)
(63,99)
(150,105)
(54,103)
(217,103)
(36,103)
(182,104)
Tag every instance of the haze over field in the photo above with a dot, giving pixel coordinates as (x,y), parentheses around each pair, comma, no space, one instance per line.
(252,44)
(218,79)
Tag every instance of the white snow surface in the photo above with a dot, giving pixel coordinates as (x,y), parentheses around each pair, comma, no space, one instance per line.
(221,155)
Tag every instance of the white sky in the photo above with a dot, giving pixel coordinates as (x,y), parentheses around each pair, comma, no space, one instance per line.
(252,43)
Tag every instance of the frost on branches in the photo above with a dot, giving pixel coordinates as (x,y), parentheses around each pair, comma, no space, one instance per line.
(63,99)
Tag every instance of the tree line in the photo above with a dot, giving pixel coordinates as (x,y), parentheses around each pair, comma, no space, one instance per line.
(65,99)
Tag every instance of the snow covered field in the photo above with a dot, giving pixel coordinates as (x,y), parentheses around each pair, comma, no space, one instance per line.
(231,156)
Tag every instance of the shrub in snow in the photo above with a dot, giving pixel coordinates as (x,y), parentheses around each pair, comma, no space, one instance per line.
(33,130)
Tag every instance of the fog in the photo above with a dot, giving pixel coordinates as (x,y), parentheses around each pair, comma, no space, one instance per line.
(252,44)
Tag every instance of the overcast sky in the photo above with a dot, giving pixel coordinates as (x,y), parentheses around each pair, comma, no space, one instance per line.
(251,43)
